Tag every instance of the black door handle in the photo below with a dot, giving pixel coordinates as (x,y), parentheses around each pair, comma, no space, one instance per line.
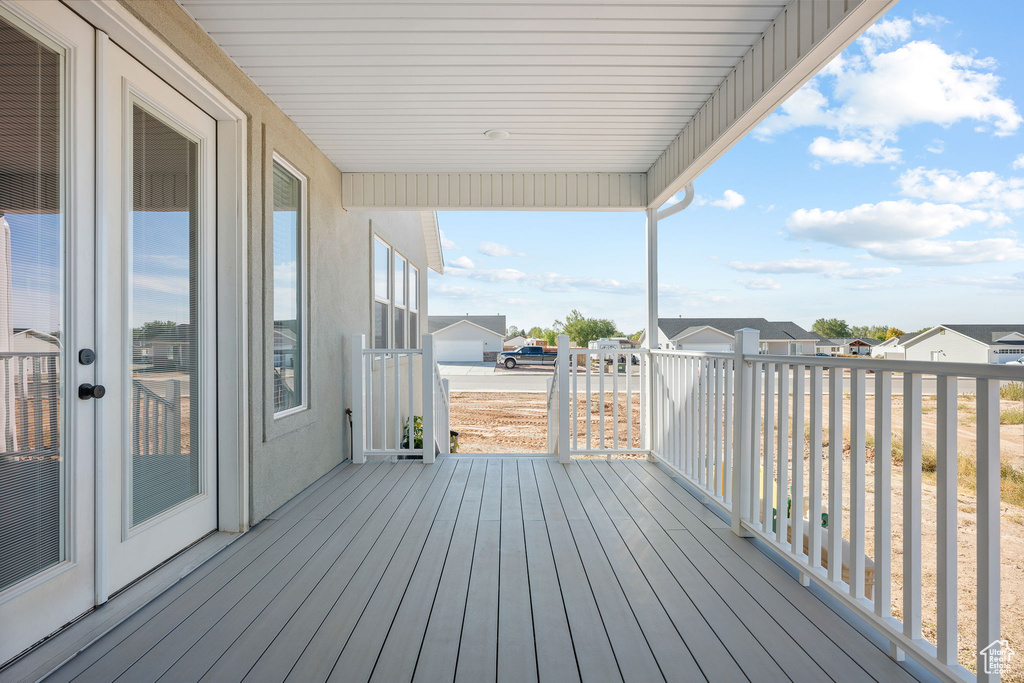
(87,391)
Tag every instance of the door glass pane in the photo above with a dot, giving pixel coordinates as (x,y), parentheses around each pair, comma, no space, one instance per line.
(288,350)
(164,304)
(31,244)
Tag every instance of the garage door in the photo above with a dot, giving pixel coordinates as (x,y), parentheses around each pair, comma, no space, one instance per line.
(459,350)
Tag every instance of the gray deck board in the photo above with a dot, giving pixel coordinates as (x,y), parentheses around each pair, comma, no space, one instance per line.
(496,569)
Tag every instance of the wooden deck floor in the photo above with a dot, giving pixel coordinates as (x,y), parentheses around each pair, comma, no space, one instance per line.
(490,569)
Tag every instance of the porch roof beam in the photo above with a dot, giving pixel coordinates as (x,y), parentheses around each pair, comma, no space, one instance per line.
(802,39)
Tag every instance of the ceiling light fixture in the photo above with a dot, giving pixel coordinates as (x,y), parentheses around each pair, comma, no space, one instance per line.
(497,134)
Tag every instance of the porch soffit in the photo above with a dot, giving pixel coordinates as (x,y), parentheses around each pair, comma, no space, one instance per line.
(609,106)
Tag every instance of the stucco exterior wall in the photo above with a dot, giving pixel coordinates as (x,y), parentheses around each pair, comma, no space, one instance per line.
(954,348)
(288,454)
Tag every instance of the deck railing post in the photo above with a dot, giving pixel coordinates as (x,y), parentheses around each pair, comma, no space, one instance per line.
(563,399)
(428,400)
(746,344)
(356,344)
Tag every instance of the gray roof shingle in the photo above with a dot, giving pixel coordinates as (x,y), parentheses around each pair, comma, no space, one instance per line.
(773,331)
(986,334)
(495,323)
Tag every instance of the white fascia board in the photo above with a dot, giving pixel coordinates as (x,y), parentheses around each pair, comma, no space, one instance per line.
(500,191)
(432,241)
(804,37)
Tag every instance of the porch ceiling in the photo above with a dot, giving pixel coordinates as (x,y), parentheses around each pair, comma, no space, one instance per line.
(582,87)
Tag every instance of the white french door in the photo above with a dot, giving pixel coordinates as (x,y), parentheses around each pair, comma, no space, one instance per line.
(47,297)
(157,433)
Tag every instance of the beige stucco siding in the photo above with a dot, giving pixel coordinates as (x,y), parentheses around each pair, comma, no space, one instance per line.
(288,454)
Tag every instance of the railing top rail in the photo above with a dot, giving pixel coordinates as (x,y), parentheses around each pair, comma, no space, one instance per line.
(580,352)
(29,354)
(382,352)
(921,367)
(693,354)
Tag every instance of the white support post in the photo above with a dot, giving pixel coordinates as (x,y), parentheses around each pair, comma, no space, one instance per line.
(746,344)
(428,399)
(564,419)
(652,321)
(356,344)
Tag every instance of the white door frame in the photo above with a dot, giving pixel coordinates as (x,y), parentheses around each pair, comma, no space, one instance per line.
(115,23)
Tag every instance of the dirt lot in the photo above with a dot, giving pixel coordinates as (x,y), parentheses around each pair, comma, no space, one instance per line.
(507,423)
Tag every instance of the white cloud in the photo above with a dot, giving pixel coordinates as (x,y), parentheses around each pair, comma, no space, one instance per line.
(445,242)
(884,222)
(463,262)
(980,189)
(857,152)
(796,265)
(863,273)
(1018,162)
(893,84)
(495,249)
(730,200)
(936,146)
(989,281)
(548,282)
(759,283)
(933,20)
(683,296)
(906,232)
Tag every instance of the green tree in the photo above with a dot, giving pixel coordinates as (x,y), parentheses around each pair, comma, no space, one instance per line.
(550,336)
(152,329)
(513,331)
(831,328)
(535,331)
(869,331)
(893,332)
(583,330)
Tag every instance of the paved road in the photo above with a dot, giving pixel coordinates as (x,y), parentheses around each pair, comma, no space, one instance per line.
(485,377)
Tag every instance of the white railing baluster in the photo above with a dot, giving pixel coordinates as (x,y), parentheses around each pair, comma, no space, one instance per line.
(357,343)
(754,437)
(564,455)
(590,399)
(912,505)
(727,435)
(768,471)
(574,401)
(782,471)
(946,473)
(797,457)
(815,475)
(988,485)
(429,425)
(883,494)
(858,482)
(835,474)
(629,400)
(615,402)
(396,357)
(601,401)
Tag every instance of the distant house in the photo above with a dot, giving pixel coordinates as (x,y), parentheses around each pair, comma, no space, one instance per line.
(173,349)
(467,337)
(893,347)
(847,346)
(612,343)
(968,344)
(716,335)
(33,341)
(514,342)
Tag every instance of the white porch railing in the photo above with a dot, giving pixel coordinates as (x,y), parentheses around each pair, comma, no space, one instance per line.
(391,388)
(787,446)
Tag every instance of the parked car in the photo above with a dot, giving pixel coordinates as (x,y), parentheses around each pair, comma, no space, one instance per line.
(527,355)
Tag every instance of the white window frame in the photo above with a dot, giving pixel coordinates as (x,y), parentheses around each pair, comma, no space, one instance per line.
(389,301)
(302,280)
(375,298)
(403,308)
(413,300)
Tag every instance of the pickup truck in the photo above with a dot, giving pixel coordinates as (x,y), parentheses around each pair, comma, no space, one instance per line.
(527,355)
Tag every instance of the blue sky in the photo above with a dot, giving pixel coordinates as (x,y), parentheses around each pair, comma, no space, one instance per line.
(888,190)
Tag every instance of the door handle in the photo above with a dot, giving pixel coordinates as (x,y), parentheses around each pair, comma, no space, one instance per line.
(87,391)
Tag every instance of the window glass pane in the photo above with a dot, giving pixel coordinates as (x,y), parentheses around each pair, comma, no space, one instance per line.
(288,342)
(414,331)
(381,282)
(32,457)
(400,329)
(380,325)
(399,280)
(164,294)
(414,288)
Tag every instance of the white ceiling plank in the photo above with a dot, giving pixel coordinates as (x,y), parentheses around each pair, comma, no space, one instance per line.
(587,89)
